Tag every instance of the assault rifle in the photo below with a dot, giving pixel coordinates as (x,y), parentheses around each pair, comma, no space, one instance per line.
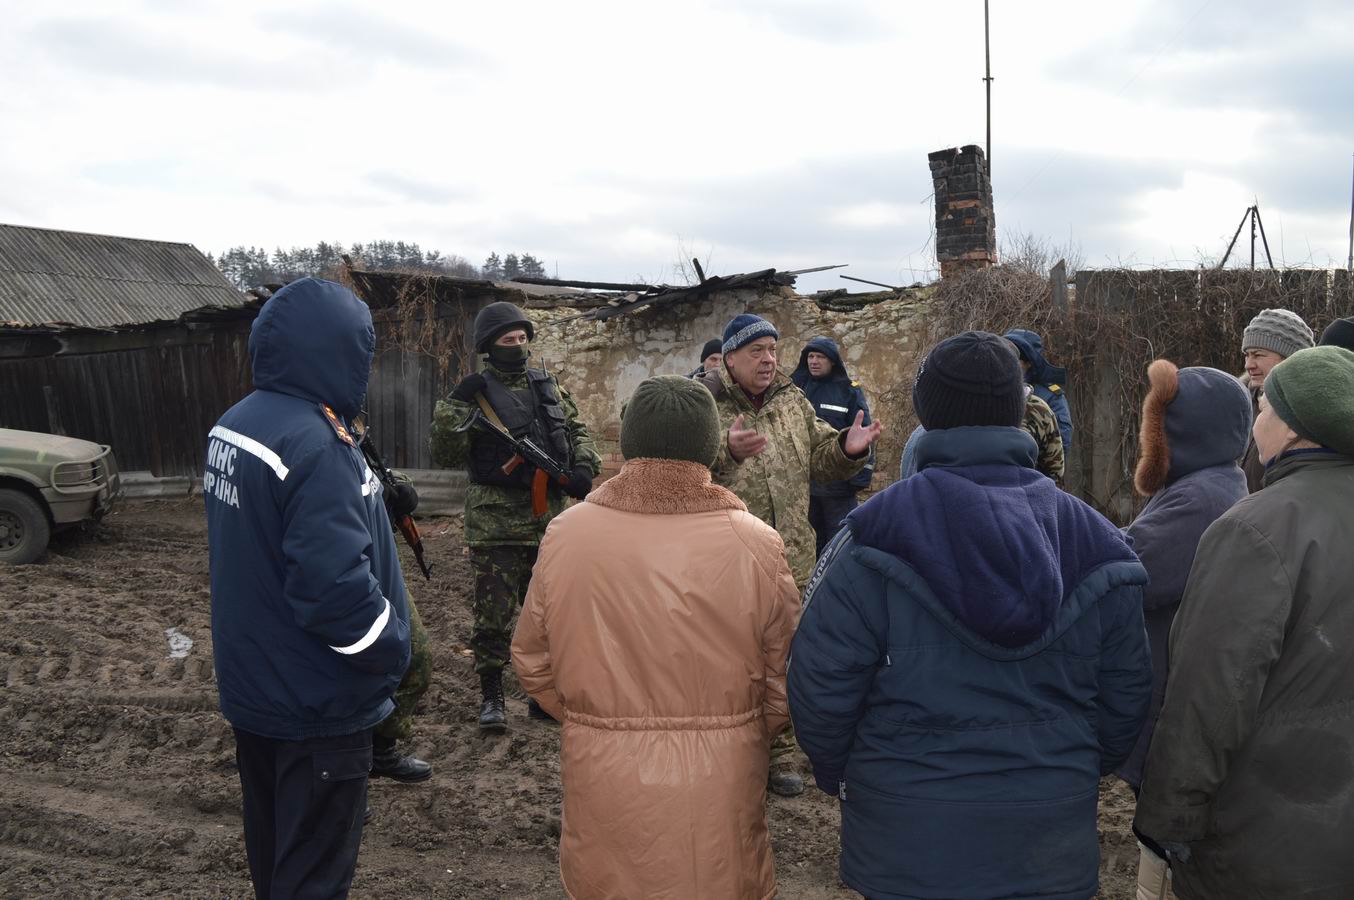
(525,451)
(402,521)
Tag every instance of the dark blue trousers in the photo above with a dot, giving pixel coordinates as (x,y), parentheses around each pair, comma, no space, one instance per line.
(303,807)
(826,515)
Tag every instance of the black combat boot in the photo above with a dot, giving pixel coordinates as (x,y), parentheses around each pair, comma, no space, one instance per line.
(388,762)
(492,717)
(534,711)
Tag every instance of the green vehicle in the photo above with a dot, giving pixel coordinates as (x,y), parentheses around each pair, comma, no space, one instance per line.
(48,483)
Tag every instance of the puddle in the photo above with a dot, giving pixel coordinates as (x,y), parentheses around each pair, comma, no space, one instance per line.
(179,643)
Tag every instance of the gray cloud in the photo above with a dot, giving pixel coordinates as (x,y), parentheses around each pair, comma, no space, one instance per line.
(414,190)
(361,35)
(110,47)
(816,21)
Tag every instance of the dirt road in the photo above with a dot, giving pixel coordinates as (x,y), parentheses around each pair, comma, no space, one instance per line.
(119,776)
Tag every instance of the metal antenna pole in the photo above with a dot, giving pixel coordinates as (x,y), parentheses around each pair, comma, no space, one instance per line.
(1263,239)
(1252,215)
(987,53)
(1349,264)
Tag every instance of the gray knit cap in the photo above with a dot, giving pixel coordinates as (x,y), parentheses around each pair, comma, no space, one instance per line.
(1279,330)
(671,417)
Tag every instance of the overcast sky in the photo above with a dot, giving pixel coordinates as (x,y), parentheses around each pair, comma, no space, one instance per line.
(604,137)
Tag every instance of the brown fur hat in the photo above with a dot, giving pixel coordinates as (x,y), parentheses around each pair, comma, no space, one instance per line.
(1154,451)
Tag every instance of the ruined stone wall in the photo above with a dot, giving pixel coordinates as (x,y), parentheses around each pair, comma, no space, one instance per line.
(601,363)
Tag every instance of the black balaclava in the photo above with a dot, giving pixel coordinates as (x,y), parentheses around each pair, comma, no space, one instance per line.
(509,359)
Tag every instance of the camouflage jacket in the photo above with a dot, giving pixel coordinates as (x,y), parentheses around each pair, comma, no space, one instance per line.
(775,483)
(501,516)
(1042,425)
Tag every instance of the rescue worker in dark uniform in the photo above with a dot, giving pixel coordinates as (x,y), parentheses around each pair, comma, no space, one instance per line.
(823,378)
(502,529)
(310,625)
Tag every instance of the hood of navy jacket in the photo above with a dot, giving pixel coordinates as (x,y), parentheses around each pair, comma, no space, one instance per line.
(1032,351)
(1000,547)
(1208,423)
(314,340)
(828,348)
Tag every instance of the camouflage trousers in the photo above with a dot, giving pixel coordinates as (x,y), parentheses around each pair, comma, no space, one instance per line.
(399,725)
(502,574)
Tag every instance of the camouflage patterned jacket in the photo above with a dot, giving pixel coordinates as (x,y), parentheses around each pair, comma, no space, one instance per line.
(1042,425)
(501,516)
(775,483)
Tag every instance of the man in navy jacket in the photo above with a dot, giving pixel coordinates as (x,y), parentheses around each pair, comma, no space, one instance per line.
(309,620)
(971,658)
(823,378)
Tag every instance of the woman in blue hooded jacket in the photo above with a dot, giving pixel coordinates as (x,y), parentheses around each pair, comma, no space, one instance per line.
(1195,425)
(971,657)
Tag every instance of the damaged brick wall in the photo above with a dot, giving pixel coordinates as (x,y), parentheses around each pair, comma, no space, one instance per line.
(601,362)
(966,235)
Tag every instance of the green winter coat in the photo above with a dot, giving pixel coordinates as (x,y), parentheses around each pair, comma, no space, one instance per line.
(1252,762)
(501,516)
(775,483)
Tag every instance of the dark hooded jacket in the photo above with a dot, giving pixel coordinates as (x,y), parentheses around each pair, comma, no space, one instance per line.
(309,620)
(836,399)
(1049,381)
(970,661)
(1195,425)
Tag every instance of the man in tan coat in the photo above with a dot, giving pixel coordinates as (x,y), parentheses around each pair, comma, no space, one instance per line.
(656,629)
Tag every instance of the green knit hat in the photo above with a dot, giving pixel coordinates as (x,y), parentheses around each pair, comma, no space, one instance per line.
(1313,392)
(671,417)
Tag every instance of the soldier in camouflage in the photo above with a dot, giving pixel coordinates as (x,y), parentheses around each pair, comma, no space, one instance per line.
(501,529)
(774,446)
(386,760)
(1042,425)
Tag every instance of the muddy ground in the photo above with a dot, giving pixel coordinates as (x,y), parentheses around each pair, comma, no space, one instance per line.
(118,772)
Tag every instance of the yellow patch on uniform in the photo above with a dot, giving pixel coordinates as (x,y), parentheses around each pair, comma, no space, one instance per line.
(1054,388)
(337,424)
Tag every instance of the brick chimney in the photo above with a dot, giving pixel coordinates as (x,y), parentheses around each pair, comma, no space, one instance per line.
(966,233)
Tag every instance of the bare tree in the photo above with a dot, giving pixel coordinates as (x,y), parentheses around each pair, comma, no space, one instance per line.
(1028,252)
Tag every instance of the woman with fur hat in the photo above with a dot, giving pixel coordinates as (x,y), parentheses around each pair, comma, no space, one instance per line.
(1249,782)
(656,628)
(1195,423)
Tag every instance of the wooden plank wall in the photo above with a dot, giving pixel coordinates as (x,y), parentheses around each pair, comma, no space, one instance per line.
(153,404)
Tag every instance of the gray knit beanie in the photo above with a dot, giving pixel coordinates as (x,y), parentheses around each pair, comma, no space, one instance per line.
(1279,330)
(671,417)
(1313,392)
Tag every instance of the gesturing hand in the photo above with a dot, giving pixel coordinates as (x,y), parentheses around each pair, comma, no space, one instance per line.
(744,442)
(859,437)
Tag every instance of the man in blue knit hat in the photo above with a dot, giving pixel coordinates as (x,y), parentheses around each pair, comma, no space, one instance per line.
(774,446)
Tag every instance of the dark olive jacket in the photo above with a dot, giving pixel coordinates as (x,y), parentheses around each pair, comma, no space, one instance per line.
(1252,764)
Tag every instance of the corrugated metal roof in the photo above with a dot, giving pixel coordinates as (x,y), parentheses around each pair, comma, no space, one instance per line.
(97,280)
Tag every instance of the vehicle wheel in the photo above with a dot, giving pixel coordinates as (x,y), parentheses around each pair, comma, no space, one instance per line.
(24,529)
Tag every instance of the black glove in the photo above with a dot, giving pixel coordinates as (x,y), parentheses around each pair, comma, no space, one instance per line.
(403,500)
(469,386)
(579,483)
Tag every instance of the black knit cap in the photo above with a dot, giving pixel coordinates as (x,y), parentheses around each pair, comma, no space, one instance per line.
(497,318)
(1339,333)
(973,378)
(714,345)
